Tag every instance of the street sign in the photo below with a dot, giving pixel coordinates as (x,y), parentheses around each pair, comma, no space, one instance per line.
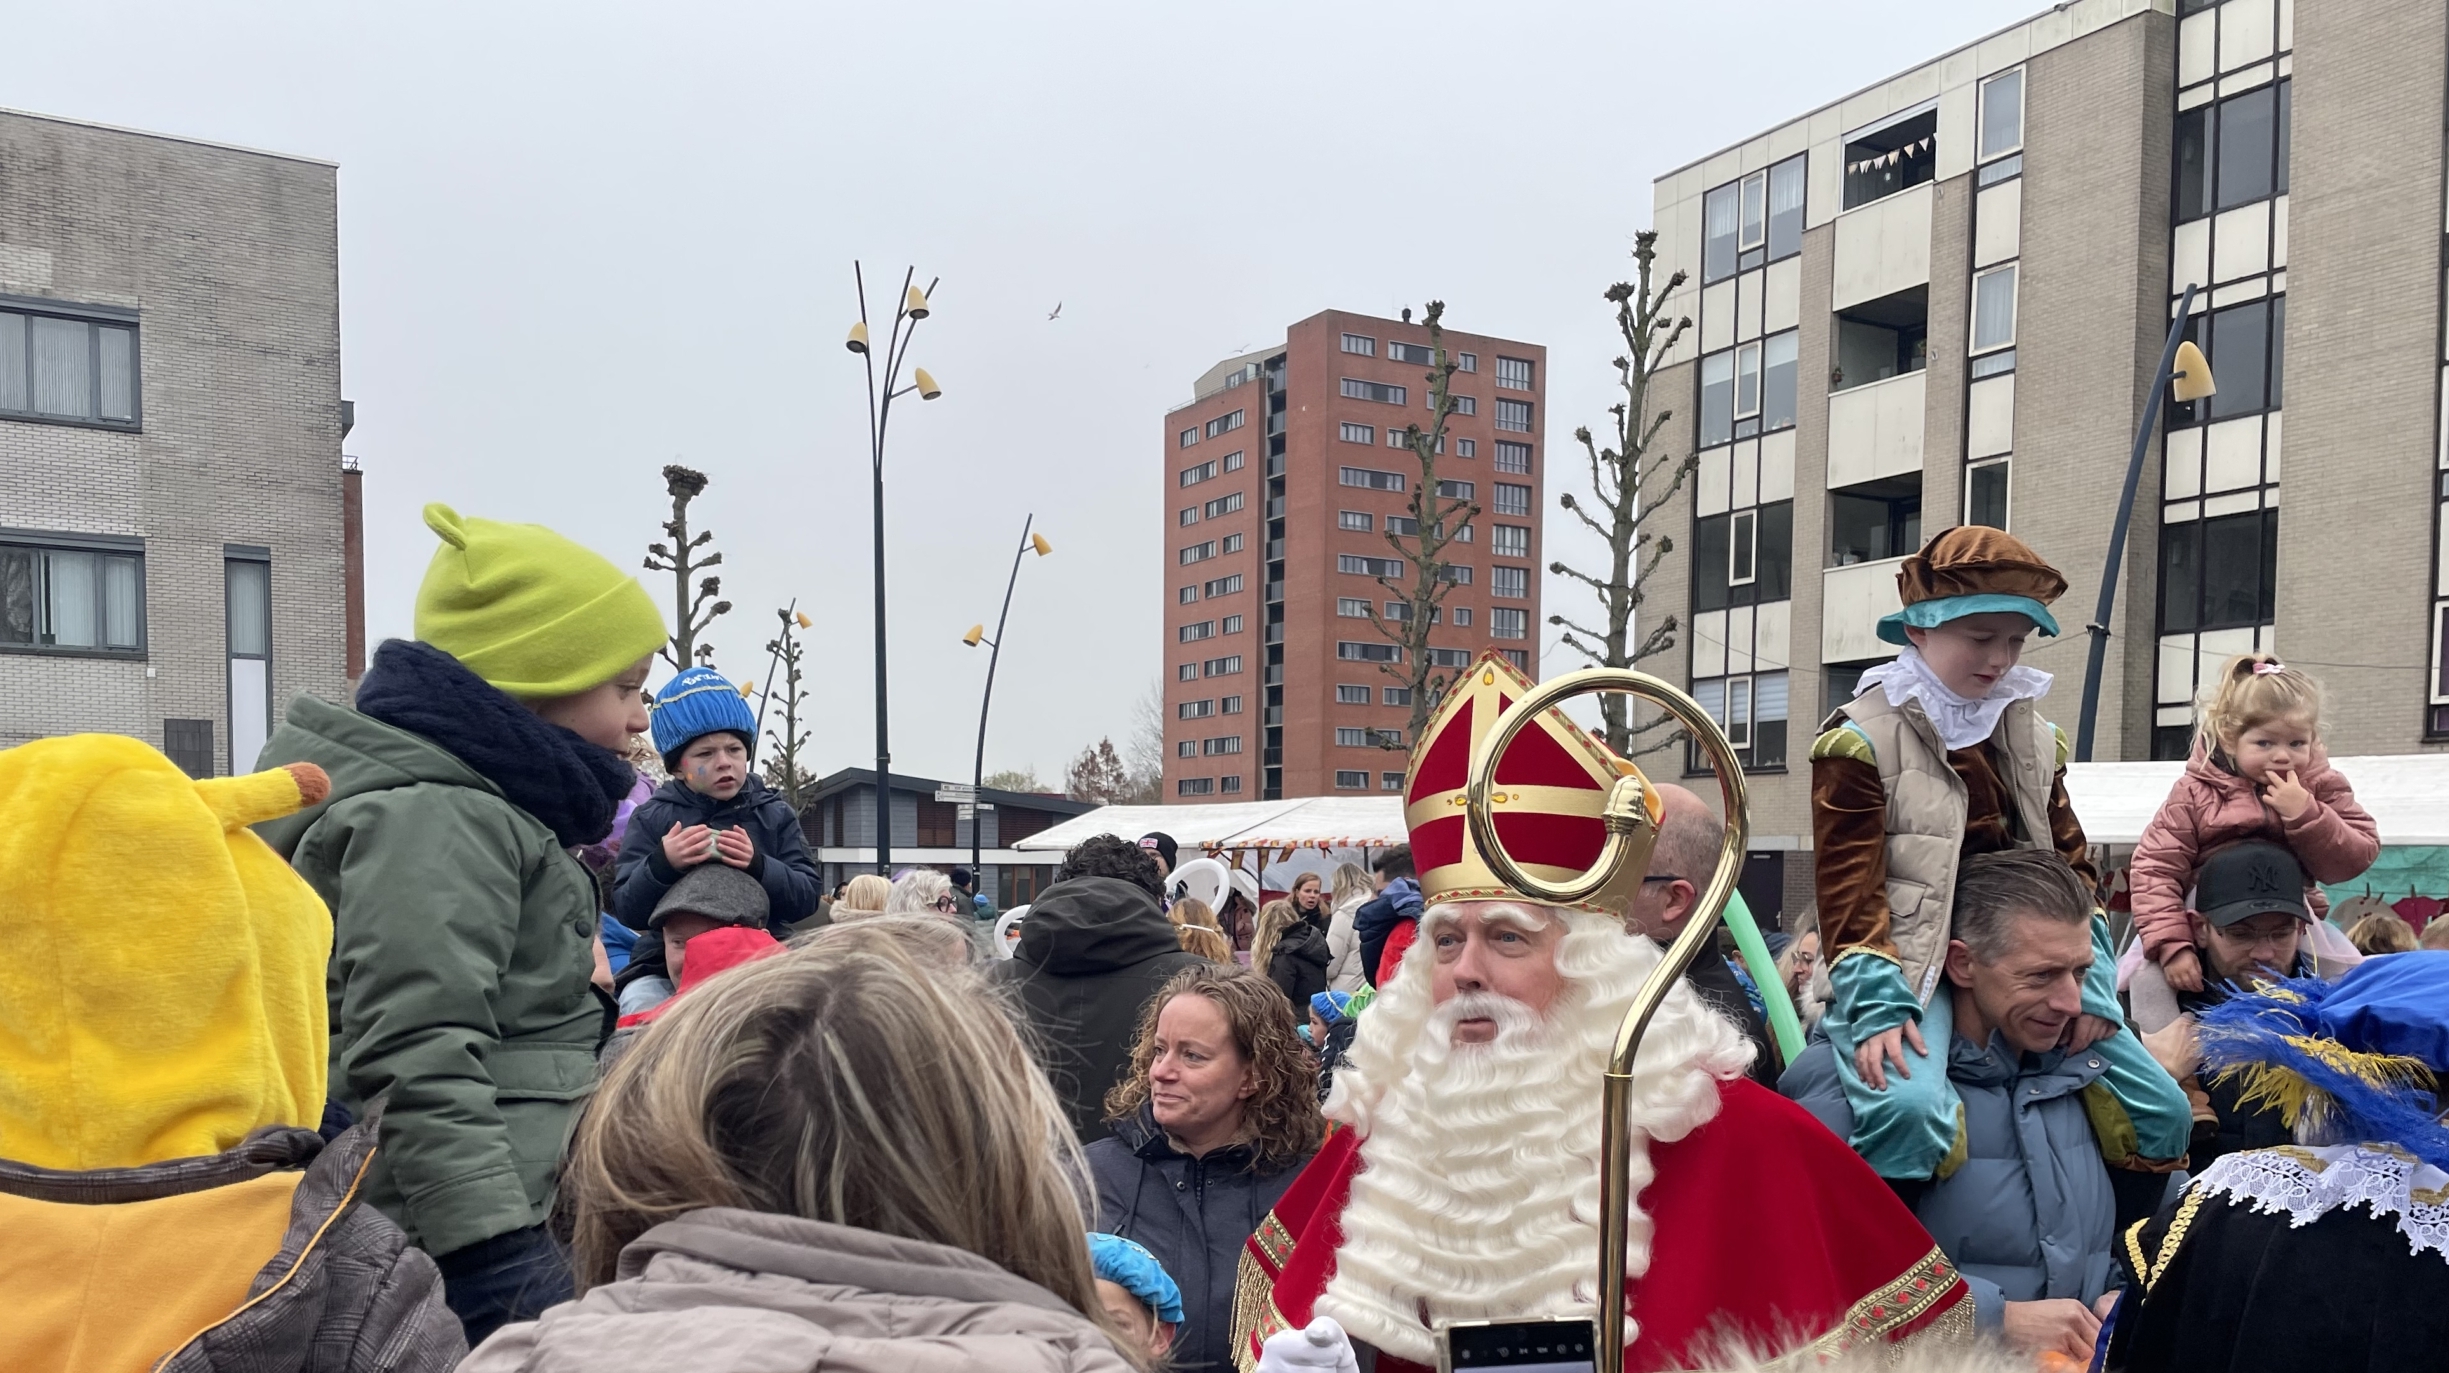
(960,792)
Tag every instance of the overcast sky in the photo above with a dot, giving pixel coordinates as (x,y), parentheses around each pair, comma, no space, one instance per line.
(579,242)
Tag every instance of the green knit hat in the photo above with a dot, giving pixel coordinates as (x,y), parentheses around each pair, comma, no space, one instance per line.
(528,610)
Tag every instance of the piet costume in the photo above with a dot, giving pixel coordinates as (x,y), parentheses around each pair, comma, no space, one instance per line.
(1462,1183)
(2332,1254)
(1909,780)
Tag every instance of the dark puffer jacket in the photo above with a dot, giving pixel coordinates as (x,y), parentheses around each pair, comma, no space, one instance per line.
(641,877)
(1091,954)
(1298,964)
(1193,1214)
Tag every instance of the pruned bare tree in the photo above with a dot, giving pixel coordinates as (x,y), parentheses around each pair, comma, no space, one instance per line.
(782,770)
(1419,541)
(690,613)
(1631,480)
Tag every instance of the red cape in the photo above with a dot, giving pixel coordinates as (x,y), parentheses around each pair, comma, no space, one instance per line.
(1768,1230)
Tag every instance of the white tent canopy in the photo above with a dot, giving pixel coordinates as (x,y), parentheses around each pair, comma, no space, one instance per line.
(2406,793)
(1304,822)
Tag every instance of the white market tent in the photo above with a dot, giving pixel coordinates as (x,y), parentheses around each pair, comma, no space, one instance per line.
(2407,795)
(1330,822)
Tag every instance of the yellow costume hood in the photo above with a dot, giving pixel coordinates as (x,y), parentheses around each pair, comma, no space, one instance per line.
(163,981)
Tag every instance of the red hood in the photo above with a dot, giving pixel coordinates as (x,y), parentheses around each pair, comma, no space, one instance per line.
(708,956)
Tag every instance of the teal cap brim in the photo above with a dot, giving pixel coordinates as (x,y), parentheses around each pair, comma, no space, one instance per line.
(1931,614)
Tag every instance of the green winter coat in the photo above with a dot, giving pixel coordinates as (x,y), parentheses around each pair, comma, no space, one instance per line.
(461,956)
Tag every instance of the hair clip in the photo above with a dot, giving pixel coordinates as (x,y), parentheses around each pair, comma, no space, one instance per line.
(2263,669)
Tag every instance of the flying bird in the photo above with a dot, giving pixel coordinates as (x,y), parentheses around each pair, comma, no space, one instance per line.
(1056,311)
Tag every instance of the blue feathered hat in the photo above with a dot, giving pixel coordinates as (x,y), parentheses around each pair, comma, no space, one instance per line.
(2358,1061)
(699,702)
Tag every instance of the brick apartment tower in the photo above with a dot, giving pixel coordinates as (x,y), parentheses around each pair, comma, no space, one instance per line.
(1283,474)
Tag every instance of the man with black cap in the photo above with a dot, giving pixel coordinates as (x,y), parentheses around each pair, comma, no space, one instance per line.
(2250,926)
(1160,846)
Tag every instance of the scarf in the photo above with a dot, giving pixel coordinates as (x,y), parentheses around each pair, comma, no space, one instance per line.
(572,786)
(1961,721)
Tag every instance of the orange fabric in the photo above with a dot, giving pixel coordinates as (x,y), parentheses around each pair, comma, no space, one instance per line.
(1975,560)
(111,1289)
(1849,835)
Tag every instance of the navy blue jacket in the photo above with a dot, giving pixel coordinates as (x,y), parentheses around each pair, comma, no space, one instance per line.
(641,875)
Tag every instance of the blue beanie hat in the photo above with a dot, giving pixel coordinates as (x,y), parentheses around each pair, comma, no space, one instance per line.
(698,702)
(1331,1006)
(1136,1271)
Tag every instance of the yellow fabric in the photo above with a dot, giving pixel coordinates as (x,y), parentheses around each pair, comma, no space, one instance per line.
(164,978)
(1843,742)
(110,1289)
(530,611)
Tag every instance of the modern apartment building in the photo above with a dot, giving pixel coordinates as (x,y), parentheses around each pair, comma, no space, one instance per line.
(1285,473)
(175,557)
(1943,299)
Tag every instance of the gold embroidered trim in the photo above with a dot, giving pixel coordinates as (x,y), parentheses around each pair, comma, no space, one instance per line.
(1254,1309)
(2140,1261)
(2175,1237)
(1900,1303)
(1275,1242)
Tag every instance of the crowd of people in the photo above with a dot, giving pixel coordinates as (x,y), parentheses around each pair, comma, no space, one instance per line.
(477,1050)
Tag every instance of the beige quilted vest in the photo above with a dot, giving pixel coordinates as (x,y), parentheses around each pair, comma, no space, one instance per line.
(1926,815)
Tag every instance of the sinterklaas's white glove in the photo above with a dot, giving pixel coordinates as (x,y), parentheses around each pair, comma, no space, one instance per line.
(1322,1347)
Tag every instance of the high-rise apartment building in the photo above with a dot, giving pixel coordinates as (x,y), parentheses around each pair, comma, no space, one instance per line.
(1284,476)
(1942,299)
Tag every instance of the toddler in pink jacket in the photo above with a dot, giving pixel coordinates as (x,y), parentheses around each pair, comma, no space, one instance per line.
(2258,772)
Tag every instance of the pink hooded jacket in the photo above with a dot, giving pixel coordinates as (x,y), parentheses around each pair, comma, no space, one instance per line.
(2209,807)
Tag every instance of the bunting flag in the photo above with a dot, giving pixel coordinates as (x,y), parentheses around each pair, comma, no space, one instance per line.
(1880,161)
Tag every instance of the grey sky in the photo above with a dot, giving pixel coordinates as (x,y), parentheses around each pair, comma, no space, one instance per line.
(578,242)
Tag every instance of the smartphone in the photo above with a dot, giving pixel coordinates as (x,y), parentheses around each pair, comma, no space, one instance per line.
(1558,1346)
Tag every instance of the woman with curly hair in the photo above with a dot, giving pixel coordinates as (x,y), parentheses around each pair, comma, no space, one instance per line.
(1195,925)
(1215,1119)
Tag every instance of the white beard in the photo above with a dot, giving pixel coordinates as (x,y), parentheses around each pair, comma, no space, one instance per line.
(1478,1194)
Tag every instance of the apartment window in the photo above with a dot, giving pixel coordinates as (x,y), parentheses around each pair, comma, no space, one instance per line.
(1351,780)
(1189,437)
(1718,220)
(1786,208)
(1195,710)
(74,368)
(2002,114)
(1396,696)
(1232,543)
(1187,595)
(1777,380)
(1356,389)
(2219,573)
(1231,743)
(1747,382)
(1985,494)
(1390,781)
(1509,624)
(1466,362)
(1224,505)
(1232,705)
(1772,558)
(1195,786)
(1894,157)
(1743,547)
(1358,521)
(1351,738)
(2233,152)
(81,599)
(189,743)
(1351,695)
(1882,338)
(1399,438)
(1192,476)
(1224,424)
(1462,617)
(1411,352)
(1509,583)
(1717,399)
(1192,633)
(1519,657)
(1188,748)
(1362,344)
(1368,567)
(1752,710)
(1401,612)
(1223,667)
(1189,516)
(2246,346)
(1874,520)
(1513,457)
(1512,499)
(1996,364)
(1464,405)
(1370,478)
(1230,785)
(1449,657)
(1453,574)
(1352,607)
(1224,586)
(1509,541)
(1404,525)
(1356,433)
(1994,309)
(1466,448)
(1457,490)
(1232,624)
(1187,672)
(1514,416)
(1514,374)
(1352,651)
(1198,552)
(1233,461)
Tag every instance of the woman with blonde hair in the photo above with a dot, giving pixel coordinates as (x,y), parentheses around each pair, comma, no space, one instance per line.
(1213,1122)
(781,1173)
(1195,925)
(1351,890)
(1291,949)
(2382,932)
(863,897)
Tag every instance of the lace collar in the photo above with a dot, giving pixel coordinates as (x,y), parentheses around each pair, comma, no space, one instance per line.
(1960,721)
(2309,1183)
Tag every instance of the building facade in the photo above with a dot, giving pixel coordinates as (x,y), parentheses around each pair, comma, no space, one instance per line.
(173,551)
(839,823)
(1285,474)
(1942,300)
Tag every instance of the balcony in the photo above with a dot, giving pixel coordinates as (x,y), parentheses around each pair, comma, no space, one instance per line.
(1875,430)
(1882,248)
(1852,600)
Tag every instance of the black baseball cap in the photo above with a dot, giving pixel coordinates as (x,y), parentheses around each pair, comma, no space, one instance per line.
(2249,879)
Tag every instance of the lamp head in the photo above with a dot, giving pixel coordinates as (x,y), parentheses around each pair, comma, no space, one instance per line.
(915,304)
(976,633)
(927,389)
(1038,542)
(857,342)
(804,621)
(2191,380)
(748,689)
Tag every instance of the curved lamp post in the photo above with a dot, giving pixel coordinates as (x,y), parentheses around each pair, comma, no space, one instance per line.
(977,635)
(907,313)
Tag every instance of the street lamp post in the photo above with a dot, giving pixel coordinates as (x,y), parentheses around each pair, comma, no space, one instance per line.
(2188,376)
(986,698)
(907,313)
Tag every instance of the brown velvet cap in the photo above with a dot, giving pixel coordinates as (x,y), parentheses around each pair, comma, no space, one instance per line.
(1976,560)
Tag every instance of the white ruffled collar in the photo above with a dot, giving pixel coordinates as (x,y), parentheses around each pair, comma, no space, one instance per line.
(2309,1183)
(1961,721)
